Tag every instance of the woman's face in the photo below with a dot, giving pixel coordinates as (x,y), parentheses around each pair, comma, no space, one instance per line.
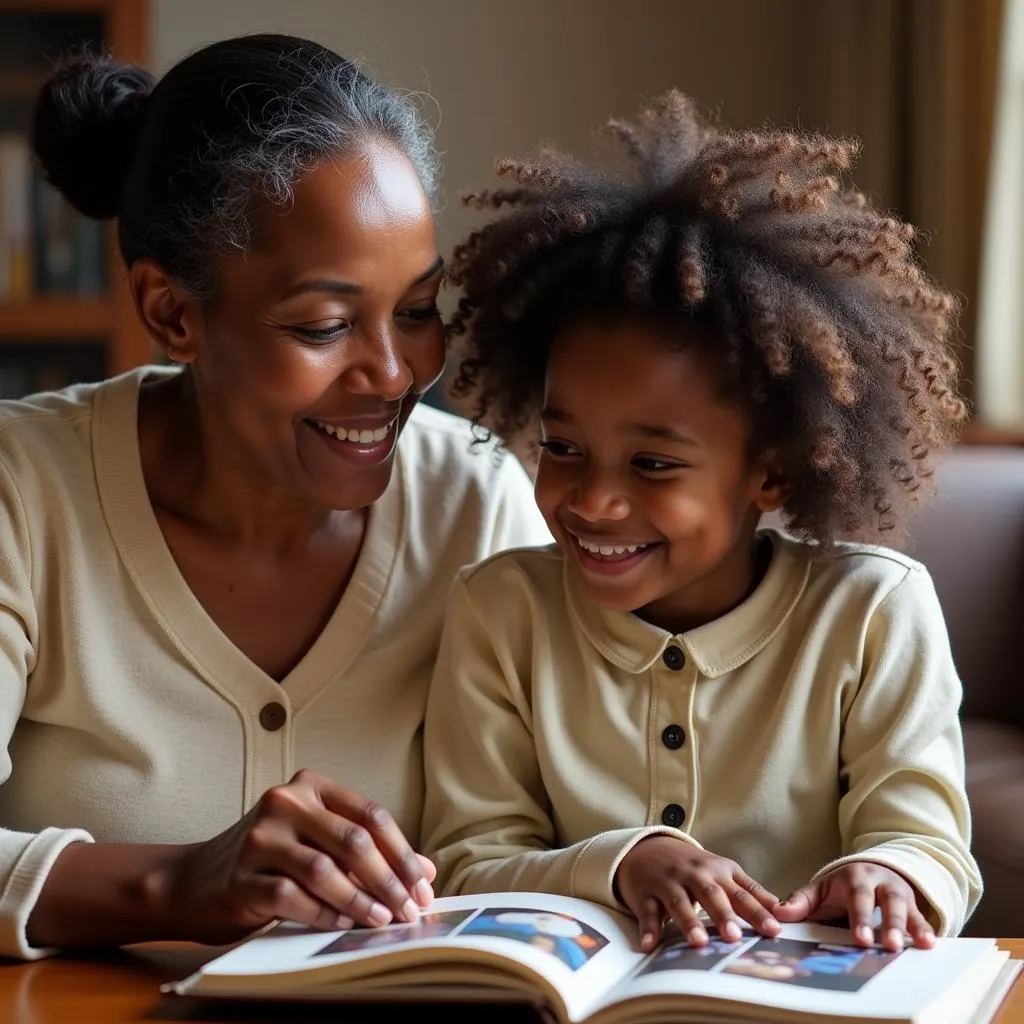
(323,337)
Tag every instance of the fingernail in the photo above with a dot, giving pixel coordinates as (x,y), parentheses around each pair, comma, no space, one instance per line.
(410,911)
(648,939)
(864,933)
(379,914)
(770,923)
(423,892)
(698,935)
(895,936)
(343,923)
(732,931)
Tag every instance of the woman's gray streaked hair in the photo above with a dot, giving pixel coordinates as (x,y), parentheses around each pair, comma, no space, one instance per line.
(182,163)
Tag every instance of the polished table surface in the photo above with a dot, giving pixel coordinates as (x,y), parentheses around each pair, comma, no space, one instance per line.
(124,986)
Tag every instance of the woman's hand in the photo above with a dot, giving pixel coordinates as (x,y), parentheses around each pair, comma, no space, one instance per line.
(663,877)
(852,892)
(310,852)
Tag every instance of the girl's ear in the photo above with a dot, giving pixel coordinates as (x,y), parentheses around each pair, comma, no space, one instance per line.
(772,486)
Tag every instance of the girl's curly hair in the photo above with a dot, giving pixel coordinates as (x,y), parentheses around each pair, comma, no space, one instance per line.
(821,324)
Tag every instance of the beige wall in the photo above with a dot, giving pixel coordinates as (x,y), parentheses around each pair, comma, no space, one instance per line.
(911,78)
(507,75)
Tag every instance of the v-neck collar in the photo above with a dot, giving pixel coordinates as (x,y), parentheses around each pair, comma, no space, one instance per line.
(148,560)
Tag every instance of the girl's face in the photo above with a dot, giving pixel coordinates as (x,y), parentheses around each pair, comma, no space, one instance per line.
(322,338)
(644,477)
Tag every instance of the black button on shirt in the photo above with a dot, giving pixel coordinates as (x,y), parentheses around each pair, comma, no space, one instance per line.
(673,736)
(674,658)
(673,815)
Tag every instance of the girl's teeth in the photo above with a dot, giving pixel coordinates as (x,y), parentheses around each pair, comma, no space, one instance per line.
(357,436)
(609,550)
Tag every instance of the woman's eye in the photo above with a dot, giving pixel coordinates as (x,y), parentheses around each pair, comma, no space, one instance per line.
(559,449)
(323,333)
(422,313)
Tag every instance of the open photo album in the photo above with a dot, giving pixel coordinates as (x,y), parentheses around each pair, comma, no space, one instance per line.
(581,962)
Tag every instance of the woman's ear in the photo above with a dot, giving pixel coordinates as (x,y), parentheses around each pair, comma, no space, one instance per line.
(772,486)
(168,312)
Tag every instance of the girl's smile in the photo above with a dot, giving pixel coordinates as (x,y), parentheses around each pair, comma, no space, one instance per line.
(608,556)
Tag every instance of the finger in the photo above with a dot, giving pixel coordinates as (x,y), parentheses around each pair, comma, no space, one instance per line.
(894,917)
(428,866)
(752,911)
(801,904)
(860,905)
(410,867)
(318,874)
(354,849)
(649,918)
(718,906)
(278,897)
(301,807)
(767,899)
(919,929)
(372,844)
(680,908)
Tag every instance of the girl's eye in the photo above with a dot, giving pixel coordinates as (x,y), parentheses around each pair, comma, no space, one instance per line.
(421,314)
(323,333)
(648,464)
(559,449)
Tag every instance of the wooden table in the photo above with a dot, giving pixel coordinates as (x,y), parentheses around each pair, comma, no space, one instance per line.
(123,987)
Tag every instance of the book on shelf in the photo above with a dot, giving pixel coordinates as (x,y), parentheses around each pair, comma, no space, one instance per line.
(576,962)
(46,247)
(15,216)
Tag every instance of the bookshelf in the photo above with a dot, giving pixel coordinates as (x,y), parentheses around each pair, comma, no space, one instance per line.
(65,311)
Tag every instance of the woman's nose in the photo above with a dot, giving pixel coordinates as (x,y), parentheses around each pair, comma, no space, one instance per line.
(378,368)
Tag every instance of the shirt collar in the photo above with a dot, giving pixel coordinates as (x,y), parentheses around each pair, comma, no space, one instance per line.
(717,647)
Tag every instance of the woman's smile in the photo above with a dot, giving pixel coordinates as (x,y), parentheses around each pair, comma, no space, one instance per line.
(365,444)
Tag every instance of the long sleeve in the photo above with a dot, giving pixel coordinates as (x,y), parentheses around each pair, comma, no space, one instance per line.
(902,759)
(487,822)
(25,858)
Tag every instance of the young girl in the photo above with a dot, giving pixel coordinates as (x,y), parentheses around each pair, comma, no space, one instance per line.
(674,708)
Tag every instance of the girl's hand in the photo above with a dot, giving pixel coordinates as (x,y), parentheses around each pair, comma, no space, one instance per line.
(310,852)
(853,891)
(663,877)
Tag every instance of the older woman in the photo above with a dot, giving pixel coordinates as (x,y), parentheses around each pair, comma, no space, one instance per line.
(222,582)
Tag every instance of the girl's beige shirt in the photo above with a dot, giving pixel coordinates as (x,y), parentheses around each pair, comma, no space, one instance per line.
(813,724)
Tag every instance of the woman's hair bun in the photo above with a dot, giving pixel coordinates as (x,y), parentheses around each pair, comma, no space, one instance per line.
(85,126)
